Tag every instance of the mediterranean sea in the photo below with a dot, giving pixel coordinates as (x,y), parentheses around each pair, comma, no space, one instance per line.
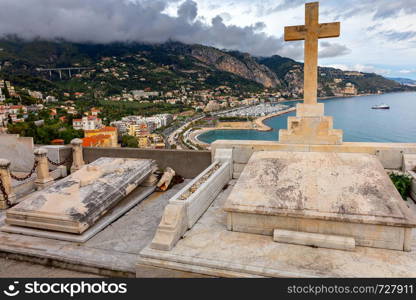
(354,115)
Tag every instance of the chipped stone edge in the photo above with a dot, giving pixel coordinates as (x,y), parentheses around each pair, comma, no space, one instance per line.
(314,239)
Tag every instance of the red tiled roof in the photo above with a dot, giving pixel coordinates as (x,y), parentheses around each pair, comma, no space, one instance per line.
(95,140)
(58,142)
(104,129)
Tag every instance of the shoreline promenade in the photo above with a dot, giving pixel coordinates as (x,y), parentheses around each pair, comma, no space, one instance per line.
(259,126)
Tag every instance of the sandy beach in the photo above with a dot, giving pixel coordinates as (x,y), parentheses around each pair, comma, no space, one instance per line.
(260,121)
(257,124)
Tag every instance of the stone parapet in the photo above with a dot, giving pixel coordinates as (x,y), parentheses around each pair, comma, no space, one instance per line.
(389,154)
(413,186)
(186,163)
(409,162)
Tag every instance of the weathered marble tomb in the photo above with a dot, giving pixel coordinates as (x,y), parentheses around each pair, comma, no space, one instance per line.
(76,202)
(340,194)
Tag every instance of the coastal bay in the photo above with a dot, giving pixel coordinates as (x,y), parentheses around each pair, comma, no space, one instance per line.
(354,115)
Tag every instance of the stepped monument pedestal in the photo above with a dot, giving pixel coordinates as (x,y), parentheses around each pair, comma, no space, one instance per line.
(310,126)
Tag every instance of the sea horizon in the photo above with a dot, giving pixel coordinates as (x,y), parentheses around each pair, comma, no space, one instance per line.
(351,133)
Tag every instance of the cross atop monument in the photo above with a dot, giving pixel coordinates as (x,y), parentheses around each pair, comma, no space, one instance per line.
(310,126)
(311,32)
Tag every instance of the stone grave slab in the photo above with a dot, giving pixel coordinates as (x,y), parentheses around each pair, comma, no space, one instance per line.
(343,194)
(113,214)
(76,202)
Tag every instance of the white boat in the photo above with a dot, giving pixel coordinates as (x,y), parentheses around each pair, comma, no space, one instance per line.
(381,106)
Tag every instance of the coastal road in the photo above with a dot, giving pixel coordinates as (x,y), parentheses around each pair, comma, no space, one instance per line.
(179,145)
(171,138)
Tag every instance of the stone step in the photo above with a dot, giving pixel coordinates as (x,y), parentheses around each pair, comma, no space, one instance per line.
(314,239)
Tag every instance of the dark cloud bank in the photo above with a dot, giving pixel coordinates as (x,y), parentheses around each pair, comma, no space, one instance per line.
(105,21)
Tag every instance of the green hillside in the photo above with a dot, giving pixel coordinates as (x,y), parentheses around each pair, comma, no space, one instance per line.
(116,68)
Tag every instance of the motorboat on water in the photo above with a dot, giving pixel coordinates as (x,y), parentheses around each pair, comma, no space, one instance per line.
(381,106)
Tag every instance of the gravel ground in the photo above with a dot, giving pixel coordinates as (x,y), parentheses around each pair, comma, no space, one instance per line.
(13,268)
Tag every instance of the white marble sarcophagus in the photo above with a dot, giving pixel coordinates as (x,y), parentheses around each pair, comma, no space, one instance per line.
(76,202)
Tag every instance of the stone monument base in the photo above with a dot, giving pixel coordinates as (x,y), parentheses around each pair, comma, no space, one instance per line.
(341,194)
(310,126)
(209,249)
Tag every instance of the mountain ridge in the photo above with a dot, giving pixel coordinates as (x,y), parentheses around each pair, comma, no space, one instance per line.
(402,80)
(125,66)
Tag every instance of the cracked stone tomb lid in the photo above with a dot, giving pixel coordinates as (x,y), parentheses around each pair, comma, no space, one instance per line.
(343,187)
(76,202)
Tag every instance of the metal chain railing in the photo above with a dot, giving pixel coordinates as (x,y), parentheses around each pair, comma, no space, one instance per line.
(5,195)
(35,164)
(27,176)
(58,164)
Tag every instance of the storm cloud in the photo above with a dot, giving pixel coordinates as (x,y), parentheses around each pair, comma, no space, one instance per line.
(399,35)
(105,21)
(287,4)
(333,49)
(380,9)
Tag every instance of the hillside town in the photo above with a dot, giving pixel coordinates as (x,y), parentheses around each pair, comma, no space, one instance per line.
(136,130)
(151,115)
(140,95)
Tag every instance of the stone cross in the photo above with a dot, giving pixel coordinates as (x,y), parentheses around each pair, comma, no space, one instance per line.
(310,126)
(311,32)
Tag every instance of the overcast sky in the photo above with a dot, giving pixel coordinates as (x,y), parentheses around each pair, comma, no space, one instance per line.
(376,35)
